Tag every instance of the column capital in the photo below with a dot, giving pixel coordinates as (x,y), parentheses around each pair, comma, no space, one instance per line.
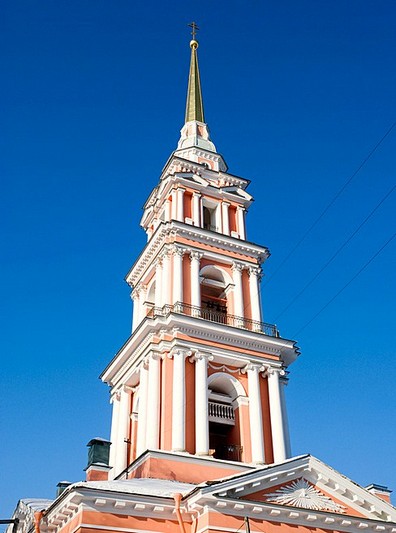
(179,351)
(144,364)
(254,367)
(225,202)
(196,193)
(158,261)
(241,208)
(178,250)
(165,253)
(194,255)
(237,267)
(135,294)
(116,396)
(271,371)
(255,271)
(156,356)
(199,356)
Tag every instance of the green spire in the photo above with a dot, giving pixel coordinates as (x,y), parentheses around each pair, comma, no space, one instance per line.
(194,105)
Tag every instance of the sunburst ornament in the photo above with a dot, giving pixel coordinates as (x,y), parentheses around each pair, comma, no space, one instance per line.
(300,493)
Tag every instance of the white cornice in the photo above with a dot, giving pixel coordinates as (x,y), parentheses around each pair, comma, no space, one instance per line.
(289,515)
(126,360)
(171,230)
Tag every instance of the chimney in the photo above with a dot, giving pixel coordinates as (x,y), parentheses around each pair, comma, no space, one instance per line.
(381,491)
(61,486)
(98,460)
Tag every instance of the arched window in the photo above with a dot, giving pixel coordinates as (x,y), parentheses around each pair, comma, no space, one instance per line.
(214,284)
(224,422)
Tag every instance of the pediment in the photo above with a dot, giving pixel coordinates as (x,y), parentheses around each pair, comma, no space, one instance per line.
(308,484)
(300,493)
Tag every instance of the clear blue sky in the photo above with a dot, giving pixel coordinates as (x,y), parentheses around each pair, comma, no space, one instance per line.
(92,99)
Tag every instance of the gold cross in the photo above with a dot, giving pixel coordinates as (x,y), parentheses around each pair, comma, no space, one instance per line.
(194,29)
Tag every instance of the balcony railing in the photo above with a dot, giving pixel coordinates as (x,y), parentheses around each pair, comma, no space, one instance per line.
(213,316)
(221,413)
(229,452)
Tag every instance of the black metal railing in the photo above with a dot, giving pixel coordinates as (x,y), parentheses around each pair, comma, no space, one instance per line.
(229,452)
(213,316)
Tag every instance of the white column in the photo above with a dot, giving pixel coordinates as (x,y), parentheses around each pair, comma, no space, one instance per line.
(201,404)
(115,400)
(168,210)
(122,433)
(142,299)
(142,413)
(278,437)
(174,204)
(180,204)
(241,222)
(178,278)
(283,384)
(166,279)
(153,402)
(136,308)
(158,283)
(196,209)
(238,293)
(225,217)
(255,414)
(195,283)
(254,287)
(179,401)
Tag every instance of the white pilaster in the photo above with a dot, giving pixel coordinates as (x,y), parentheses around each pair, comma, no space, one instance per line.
(255,413)
(174,204)
(283,384)
(168,210)
(153,402)
(136,308)
(241,222)
(238,293)
(122,433)
(225,217)
(158,283)
(195,282)
(254,288)
(178,276)
(115,400)
(166,278)
(201,404)
(142,413)
(142,299)
(196,209)
(180,204)
(179,401)
(278,436)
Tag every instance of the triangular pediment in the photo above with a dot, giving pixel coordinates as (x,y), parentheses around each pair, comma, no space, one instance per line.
(303,483)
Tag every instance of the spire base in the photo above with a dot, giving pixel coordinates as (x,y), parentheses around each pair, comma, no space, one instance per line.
(195,133)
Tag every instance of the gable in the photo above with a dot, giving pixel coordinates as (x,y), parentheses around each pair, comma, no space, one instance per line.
(308,484)
(303,494)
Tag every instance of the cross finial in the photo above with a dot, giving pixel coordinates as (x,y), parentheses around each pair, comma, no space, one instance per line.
(194,29)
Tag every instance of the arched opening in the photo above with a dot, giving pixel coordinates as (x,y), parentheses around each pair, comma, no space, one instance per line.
(224,423)
(214,285)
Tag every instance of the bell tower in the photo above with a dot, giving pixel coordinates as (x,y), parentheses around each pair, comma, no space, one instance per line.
(201,376)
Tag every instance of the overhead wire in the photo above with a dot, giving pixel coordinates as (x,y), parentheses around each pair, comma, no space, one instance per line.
(335,254)
(332,201)
(346,284)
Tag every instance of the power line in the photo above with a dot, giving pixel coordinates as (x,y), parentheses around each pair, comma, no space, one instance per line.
(336,253)
(329,205)
(346,284)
